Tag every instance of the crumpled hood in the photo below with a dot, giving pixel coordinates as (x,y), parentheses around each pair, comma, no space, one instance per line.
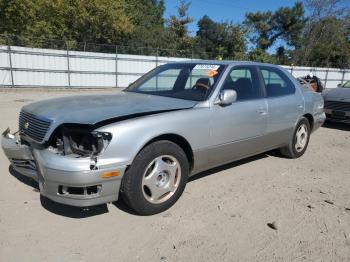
(337,94)
(92,109)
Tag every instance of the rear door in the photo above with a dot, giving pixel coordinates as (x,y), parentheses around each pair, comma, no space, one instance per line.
(237,130)
(285,105)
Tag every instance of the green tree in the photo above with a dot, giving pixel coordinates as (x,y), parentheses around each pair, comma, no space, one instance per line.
(35,21)
(147,16)
(283,56)
(260,55)
(325,41)
(220,40)
(326,44)
(259,25)
(177,34)
(286,24)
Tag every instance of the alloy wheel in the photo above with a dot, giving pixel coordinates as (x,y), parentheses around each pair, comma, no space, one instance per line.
(161,179)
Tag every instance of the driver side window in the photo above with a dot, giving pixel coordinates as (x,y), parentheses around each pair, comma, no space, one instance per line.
(244,82)
(198,76)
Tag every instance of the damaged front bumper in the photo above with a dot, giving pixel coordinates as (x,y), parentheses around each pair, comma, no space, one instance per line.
(338,115)
(64,179)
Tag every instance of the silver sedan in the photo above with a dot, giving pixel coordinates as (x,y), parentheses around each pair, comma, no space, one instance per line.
(174,122)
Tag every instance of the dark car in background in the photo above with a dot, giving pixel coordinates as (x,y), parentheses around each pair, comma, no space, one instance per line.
(337,103)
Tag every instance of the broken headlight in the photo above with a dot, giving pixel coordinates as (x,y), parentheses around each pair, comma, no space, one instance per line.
(81,141)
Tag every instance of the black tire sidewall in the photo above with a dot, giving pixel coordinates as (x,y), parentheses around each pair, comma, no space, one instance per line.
(295,153)
(132,188)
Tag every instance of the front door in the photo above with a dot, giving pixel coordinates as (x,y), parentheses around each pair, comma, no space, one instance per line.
(237,130)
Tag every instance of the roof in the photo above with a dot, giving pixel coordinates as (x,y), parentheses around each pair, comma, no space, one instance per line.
(224,62)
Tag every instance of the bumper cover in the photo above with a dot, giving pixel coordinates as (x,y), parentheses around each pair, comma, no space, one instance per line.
(54,172)
(338,115)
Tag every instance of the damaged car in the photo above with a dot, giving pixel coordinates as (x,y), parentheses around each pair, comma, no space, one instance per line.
(142,144)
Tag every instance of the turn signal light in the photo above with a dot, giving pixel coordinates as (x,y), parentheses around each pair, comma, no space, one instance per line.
(110,174)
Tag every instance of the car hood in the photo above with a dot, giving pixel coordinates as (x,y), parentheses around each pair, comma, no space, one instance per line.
(93,109)
(337,94)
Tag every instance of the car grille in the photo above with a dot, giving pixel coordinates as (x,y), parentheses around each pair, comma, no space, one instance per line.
(33,126)
(335,105)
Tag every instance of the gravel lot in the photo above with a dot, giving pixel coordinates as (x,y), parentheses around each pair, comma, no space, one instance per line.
(222,216)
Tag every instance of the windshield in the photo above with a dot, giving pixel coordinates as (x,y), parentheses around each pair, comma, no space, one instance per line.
(185,81)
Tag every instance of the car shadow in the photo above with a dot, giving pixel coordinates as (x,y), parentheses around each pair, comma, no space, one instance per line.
(218,169)
(57,208)
(71,211)
(124,207)
(336,125)
(120,204)
(24,179)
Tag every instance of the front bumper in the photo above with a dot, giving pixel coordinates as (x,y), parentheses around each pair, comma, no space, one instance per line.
(337,116)
(64,179)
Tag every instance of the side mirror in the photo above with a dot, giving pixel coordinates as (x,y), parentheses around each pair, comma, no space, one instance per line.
(226,97)
(339,85)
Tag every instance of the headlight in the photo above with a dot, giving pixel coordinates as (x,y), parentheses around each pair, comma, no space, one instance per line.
(102,140)
(81,141)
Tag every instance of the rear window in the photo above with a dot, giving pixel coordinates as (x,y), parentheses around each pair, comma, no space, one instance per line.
(276,82)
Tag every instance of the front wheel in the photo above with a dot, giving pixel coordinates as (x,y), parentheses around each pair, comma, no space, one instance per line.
(156,178)
(300,140)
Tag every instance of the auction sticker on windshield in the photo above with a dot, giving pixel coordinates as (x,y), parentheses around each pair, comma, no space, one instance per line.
(207,67)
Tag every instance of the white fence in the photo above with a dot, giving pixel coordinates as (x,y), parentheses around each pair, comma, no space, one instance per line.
(34,67)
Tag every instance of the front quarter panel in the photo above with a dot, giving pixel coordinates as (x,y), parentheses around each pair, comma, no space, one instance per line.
(130,136)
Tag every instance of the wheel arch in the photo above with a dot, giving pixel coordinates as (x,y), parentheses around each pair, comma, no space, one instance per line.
(310,118)
(178,140)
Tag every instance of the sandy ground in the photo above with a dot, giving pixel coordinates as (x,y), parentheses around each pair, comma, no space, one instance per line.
(222,216)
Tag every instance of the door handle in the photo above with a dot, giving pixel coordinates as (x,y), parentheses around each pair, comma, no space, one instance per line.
(300,107)
(262,112)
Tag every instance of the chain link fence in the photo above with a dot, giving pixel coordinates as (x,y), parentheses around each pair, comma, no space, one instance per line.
(46,43)
(58,63)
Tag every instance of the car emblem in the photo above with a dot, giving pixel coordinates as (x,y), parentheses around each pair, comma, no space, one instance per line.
(26,125)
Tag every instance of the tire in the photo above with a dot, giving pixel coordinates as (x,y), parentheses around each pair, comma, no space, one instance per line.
(158,168)
(295,149)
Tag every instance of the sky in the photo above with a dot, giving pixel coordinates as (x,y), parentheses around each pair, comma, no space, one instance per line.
(224,10)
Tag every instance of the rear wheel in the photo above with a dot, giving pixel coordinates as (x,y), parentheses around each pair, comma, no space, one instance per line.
(300,140)
(156,178)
